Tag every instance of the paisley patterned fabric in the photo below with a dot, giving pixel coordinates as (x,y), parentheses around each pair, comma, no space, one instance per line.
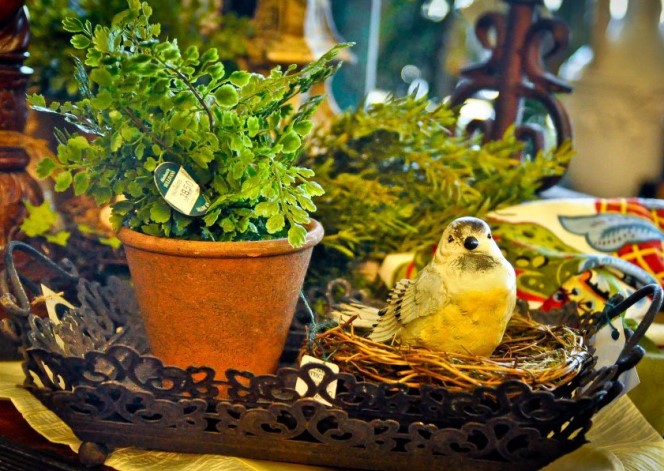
(582,249)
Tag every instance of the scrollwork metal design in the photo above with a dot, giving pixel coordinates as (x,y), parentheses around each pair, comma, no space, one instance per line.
(516,42)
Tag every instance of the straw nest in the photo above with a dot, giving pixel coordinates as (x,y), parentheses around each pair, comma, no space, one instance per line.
(544,357)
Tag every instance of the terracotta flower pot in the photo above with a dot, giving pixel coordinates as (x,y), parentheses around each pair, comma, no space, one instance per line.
(218,304)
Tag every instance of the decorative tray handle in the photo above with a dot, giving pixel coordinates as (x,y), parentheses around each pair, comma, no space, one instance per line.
(15,299)
(632,352)
(66,270)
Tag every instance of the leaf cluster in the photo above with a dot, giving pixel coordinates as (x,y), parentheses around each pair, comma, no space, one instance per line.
(397,173)
(55,227)
(193,22)
(146,101)
(42,221)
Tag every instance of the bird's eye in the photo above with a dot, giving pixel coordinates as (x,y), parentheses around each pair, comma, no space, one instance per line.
(450,239)
(489,236)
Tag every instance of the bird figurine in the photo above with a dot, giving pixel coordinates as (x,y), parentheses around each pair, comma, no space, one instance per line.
(460,302)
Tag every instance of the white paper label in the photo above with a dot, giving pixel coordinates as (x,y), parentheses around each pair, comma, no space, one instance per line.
(316,376)
(183,192)
(179,190)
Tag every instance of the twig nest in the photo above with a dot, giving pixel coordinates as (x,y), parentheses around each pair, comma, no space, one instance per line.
(544,357)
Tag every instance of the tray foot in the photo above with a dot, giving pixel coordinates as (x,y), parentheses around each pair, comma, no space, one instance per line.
(93,454)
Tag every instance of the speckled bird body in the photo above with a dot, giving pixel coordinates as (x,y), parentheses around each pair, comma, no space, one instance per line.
(460,302)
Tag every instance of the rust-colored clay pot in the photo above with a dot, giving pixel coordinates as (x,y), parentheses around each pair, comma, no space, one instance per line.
(218,304)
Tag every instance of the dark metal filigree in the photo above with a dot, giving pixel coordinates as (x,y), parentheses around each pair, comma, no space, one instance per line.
(518,41)
(112,393)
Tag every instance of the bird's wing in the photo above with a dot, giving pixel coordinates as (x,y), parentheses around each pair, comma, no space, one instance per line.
(418,300)
(364,316)
(409,300)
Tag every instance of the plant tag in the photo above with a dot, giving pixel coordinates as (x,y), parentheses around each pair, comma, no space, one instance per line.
(55,304)
(179,190)
(317,377)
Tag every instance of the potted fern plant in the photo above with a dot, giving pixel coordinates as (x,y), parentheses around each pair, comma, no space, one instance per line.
(201,169)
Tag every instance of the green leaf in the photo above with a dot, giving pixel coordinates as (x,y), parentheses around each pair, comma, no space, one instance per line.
(62,181)
(37,101)
(253,126)
(305,172)
(303,127)
(226,96)
(191,54)
(151,229)
(81,182)
(216,71)
(102,194)
(92,58)
(299,215)
(306,203)
(240,78)
(112,242)
(59,238)
(267,208)
(180,121)
(227,225)
(314,189)
(72,25)
(102,101)
(297,235)
(150,164)
(116,141)
(275,223)
(135,189)
(121,18)
(210,218)
(202,156)
(45,167)
(80,41)
(101,76)
(134,5)
(78,143)
(181,222)
(129,133)
(40,219)
(102,39)
(139,152)
(211,55)
(184,100)
(141,59)
(160,211)
(116,222)
(291,142)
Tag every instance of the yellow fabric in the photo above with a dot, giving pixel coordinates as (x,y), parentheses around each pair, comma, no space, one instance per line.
(620,439)
(647,396)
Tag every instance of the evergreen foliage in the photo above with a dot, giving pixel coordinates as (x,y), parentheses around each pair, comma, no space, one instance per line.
(397,173)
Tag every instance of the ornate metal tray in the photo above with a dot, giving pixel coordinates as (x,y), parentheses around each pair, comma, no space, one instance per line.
(93,369)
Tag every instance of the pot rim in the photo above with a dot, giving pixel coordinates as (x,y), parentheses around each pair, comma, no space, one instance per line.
(207,249)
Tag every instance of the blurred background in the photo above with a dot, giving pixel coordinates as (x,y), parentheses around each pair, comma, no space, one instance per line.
(615,61)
